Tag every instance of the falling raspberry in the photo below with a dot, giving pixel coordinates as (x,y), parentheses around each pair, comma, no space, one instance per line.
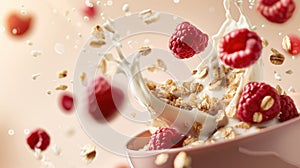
(187,41)
(103,99)
(18,24)
(288,108)
(38,139)
(166,138)
(276,11)
(66,101)
(89,10)
(291,44)
(259,102)
(240,48)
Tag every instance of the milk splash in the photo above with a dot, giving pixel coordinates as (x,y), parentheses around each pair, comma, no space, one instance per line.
(179,118)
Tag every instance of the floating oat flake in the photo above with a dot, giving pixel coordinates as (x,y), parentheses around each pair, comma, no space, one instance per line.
(61,87)
(277,76)
(289,72)
(49,92)
(56,150)
(29,42)
(35,76)
(88,153)
(148,16)
(97,43)
(291,89)
(63,74)
(125,8)
(36,53)
(98,32)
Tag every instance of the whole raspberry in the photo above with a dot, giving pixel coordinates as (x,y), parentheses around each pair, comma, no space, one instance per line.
(165,138)
(103,99)
(259,102)
(240,48)
(276,11)
(187,41)
(66,101)
(288,108)
(38,139)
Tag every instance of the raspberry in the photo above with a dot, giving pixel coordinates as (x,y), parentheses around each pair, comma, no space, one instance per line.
(276,11)
(250,105)
(103,99)
(89,10)
(166,138)
(18,25)
(240,48)
(288,108)
(187,41)
(38,139)
(66,101)
(291,44)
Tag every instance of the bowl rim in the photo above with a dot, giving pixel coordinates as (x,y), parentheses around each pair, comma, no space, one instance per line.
(269,129)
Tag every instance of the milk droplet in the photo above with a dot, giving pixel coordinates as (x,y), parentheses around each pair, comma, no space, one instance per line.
(29,42)
(176,1)
(59,48)
(24,12)
(86,18)
(26,131)
(11,132)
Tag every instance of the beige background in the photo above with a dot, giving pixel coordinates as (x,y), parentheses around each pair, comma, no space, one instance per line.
(24,103)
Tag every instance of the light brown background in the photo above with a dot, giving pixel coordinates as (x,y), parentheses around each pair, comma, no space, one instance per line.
(24,103)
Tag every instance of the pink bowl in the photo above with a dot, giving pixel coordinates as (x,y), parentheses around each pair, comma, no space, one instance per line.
(276,146)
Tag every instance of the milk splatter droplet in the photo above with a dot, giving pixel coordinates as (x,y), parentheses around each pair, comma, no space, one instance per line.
(59,48)
(11,132)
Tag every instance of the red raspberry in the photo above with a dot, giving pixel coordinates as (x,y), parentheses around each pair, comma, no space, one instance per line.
(240,48)
(249,108)
(103,99)
(38,139)
(288,108)
(89,10)
(18,24)
(276,11)
(66,101)
(166,138)
(291,44)
(187,41)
